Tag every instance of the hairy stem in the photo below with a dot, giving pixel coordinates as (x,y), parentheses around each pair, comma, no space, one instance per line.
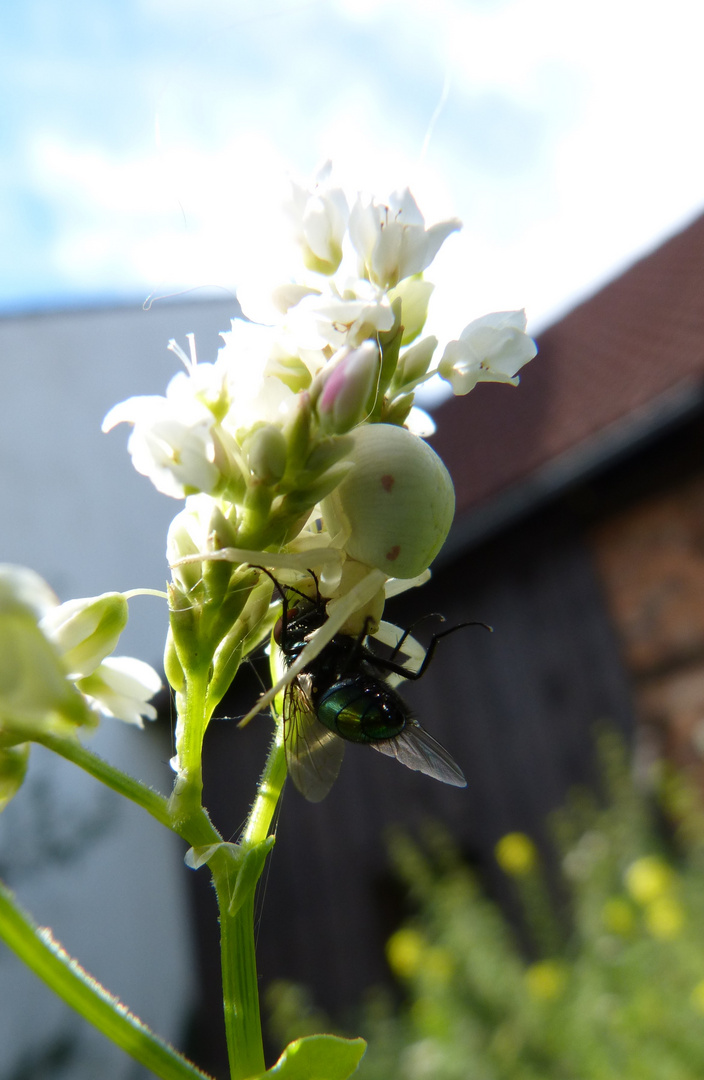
(197,831)
(47,959)
(237,951)
(268,791)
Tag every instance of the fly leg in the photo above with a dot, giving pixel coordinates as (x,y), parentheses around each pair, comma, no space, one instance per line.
(399,669)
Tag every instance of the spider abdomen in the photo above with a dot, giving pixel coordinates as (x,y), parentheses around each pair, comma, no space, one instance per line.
(362,710)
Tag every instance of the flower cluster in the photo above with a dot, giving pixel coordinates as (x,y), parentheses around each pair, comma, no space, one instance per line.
(298,448)
(340,343)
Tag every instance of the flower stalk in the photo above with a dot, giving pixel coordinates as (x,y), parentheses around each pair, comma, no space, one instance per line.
(47,959)
(297,451)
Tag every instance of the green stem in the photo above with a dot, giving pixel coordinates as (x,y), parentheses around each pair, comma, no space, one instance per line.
(69,748)
(240,990)
(268,792)
(186,800)
(197,831)
(237,951)
(45,957)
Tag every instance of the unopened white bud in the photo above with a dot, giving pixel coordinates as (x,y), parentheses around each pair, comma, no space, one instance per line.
(86,631)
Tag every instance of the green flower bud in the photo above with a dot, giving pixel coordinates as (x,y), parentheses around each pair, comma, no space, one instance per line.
(298,432)
(266,453)
(304,499)
(398,410)
(415,296)
(413,364)
(290,370)
(86,631)
(184,631)
(34,690)
(326,453)
(173,669)
(200,526)
(396,503)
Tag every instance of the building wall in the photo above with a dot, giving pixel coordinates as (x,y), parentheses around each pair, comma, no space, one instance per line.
(650,558)
(110,884)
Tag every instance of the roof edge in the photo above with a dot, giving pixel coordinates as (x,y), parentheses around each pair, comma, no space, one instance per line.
(607,447)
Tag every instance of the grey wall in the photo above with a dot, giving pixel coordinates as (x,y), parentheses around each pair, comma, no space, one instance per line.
(107,880)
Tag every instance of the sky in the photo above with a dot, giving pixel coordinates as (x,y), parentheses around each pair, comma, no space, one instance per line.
(145,144)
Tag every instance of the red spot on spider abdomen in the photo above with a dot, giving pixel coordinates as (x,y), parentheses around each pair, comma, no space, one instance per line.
(393,553)
(387,482)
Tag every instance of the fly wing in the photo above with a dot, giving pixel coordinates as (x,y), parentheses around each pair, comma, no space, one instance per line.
(418,750)
(313,752)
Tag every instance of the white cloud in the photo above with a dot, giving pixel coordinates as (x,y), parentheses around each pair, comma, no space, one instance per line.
(568,141)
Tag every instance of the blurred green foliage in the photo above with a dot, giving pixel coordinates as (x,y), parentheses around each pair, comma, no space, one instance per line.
(607,983)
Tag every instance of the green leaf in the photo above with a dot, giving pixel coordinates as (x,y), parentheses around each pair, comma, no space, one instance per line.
(318,1057)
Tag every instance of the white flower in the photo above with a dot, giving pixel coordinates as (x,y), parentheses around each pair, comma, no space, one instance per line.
(121,687)
(244,361)
(491,349)
(171,439)
(319,215)
(182,441)
(360,313)
(391,239)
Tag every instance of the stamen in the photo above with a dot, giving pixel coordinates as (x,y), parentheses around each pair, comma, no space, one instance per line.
(189,362)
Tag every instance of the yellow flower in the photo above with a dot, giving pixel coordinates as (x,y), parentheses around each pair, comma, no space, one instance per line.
(664,917)
(404,952)
(648,878)
(546,980)
(516,854)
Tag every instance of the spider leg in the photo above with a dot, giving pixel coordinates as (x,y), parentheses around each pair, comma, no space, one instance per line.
(282,594)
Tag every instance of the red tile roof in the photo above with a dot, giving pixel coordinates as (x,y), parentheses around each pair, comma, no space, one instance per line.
(611,366)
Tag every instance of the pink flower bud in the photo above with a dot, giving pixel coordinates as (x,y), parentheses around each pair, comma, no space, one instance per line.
(345,386)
